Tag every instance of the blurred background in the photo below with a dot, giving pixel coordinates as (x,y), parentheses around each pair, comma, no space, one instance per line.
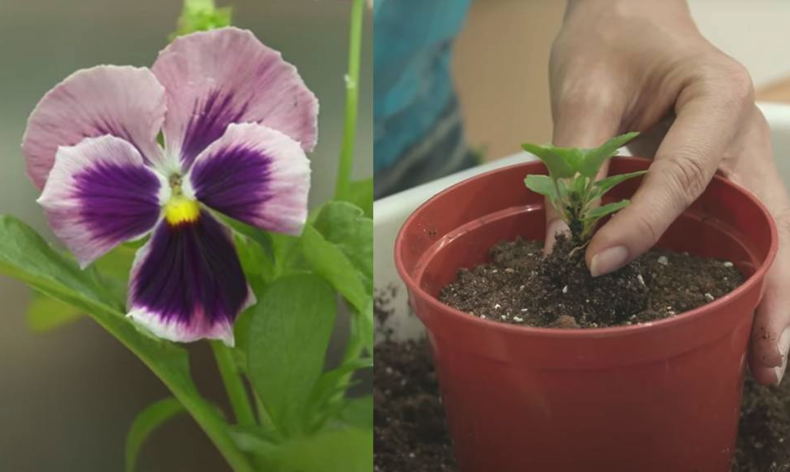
(502,55)
(68,397)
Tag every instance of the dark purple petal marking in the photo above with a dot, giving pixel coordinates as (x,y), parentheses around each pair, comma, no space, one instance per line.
(209,120)
(99,194)
(234,181)
(256,175)
(117,201)
(190,279)
(216,78)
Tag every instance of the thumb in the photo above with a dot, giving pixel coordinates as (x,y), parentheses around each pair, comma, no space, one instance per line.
(684,165)
(579,125)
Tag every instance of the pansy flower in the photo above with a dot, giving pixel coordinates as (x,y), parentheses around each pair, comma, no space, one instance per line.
(235,120)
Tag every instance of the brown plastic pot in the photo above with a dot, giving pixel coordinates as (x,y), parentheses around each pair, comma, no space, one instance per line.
(656,397)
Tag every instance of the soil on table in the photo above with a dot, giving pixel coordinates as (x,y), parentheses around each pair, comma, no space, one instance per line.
(409,429)
(522,286)
(410,433)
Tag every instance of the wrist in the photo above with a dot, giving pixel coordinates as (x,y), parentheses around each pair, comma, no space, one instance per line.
(654,9)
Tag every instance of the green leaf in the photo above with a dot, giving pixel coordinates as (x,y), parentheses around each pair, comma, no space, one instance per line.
(339,248)
(328,261)
(601,211)
(366,327)
(360,193)
(117,263)
(604,185)
(594,158)
(287,342)
(46,314)
(579,185)
(253,440)
(349,450)
(560,162)
(26,256)
(542,185)
(262,238)
(328,395)
(146,422)
(358,412)
(114,268)
(346,226)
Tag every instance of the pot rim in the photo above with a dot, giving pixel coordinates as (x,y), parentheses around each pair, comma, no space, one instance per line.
(586,333)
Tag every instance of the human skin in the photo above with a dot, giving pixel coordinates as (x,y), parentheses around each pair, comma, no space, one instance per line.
(642,65)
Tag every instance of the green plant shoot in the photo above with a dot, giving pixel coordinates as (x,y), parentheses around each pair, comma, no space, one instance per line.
(571,185)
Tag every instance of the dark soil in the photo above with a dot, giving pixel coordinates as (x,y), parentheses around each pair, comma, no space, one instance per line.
(521,286)
(409,430)
(410,434)
(764,434)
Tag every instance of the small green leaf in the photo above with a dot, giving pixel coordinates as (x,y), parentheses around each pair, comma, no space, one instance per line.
(201,15)
(360,193)
(556,162)
(346,226)
(349,450)
(287,342)
(339,248)
(542,185)
(146,422)
(326,390)
(579,185)
(601,211)
(595,157)
(328,261)
(366,327)
(117,263)
(262,238)
(253,440)
(604,185)
(46,314)
(358,412)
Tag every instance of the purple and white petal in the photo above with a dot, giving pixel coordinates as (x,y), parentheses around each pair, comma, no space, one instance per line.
(256,175)
(126,102)
(99,194)
(226,76)
(187,282)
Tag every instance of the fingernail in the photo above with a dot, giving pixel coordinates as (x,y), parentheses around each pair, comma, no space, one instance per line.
(780,372)
(784,346)
(608,260)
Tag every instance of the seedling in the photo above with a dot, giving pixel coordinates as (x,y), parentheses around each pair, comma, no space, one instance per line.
(571,185)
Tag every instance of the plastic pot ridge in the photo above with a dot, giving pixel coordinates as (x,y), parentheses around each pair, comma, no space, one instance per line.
(656,397)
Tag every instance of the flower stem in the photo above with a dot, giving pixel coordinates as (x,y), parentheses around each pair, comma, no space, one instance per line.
(352,99)
(237,393)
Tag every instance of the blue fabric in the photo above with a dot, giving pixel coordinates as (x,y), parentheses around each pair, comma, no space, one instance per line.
(412,80)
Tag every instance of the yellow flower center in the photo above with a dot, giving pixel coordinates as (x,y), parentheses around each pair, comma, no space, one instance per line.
(181,209)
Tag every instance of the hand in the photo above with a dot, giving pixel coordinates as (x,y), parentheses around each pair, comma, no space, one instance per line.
(625,65)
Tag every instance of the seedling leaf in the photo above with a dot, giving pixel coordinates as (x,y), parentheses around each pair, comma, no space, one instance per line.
(607,209)
(604,185)
(555,161)
(541,184)
(594,158)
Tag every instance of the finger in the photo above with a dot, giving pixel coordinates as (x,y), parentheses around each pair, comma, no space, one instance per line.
(757,172)
(770,340)
(554,226)
(579,123)
(685,163)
